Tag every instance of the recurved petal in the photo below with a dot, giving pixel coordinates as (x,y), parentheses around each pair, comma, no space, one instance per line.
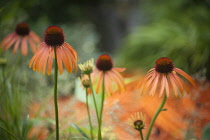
(181,72)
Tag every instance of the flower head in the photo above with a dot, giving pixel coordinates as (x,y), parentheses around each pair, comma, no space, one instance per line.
(54,38)
(165,76)
(87,67)
(137,120)
(104,67)
(21,37)
(86,83)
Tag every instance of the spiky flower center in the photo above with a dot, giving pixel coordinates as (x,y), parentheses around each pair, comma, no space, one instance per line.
(22,29)
(104,62)
(139,124)
(54,36)
(164,65)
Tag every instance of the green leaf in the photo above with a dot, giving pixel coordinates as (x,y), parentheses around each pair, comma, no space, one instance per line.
(80,131)
(25,127)
(206,132)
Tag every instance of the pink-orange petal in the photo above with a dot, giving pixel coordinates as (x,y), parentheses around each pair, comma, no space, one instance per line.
(24,47)
(50,61)
(59,61)
(181,72)
(162,87)
(17,43)
(99,81)
(166,85)
(173,84)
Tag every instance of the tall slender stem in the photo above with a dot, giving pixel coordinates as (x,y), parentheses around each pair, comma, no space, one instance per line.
(9,132)
(55,95)
(155,116)
(94,99)
(141,134)
(102,106)
(90,123)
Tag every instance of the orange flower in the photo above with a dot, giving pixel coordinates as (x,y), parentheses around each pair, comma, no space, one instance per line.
(21,37)
(54,38)
(164,76)
(104,66)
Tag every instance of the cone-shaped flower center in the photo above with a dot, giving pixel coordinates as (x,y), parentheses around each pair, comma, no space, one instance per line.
(138,124)
(104,62)
(164,65)
(54,36)
(22,29)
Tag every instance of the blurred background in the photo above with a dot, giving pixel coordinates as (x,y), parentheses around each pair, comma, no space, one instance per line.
(134,32)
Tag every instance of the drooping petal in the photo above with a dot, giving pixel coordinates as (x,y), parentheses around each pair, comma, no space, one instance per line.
(148,76)
(7,39)
(173,84)
(34,37)
(32,45)
(24,46)
(178,83)
(154,85)
(36,54)
(11,42)
(148,83)
(166,85)
(99,81)
(181,72)
(65,59)
(59,61)
(17,43)
(162,87)
(50,61)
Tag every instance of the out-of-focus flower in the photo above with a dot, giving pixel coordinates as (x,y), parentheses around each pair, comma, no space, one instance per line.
(104,67)
(137,120)
(164,76)
(22,36)
(87,67)
(54,38)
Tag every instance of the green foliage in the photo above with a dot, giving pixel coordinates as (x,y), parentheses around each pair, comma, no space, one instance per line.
(173,30)
(206,132)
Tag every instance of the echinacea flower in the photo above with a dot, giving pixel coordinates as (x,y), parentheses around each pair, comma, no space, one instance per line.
(137,120)
(165,76)
(21,37)
(54,38)
(104,66)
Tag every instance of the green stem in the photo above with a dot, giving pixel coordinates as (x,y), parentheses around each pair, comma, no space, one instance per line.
(141,134)
(55,95)
(102,106)
(94,99)
(89,118)
(155,116)
(9,132)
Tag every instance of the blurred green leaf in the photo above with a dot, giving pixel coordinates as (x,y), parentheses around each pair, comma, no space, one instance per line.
(80,131)
(206,132)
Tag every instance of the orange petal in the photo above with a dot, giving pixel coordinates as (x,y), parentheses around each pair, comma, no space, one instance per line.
(59,61)
(181,72)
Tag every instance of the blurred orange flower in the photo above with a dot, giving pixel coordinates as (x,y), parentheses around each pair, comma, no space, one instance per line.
(104,66)
(21,37)
(54,38)
(164,76)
